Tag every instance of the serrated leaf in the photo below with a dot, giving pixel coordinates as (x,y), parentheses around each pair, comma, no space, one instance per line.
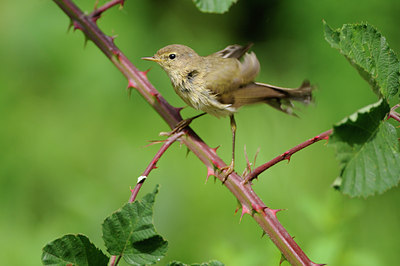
(210,263)
(368,150)
(368,51)
(130,232)
(73,250)
(214,6)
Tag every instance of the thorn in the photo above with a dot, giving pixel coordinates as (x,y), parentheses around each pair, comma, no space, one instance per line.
(76,26)
(326,138)
(152,142)
(238,206)
(155,94)
(244,182)
(263,234)
(95,18)
(112,38)
(244,211)
(178,109)
(144,73)
(129,89)
(131,84)
(258,208)
(215,164)
(86,41)
(131,189)
(215,149)
(71,24)
(255,156)
(96,4)
(283,258)
(286,156)
(187,154)
(210,172)
(275,211)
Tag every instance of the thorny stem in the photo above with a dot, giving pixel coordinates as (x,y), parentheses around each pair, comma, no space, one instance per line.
(393,114)
(153,163)
(251,203)
(98,11)
(115,259)
(286,155)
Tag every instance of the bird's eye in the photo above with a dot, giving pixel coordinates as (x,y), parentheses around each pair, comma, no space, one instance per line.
(172,56)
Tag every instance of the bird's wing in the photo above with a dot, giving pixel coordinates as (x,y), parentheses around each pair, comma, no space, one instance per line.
(249,68)
(225,73)
(232,51)
(221,75)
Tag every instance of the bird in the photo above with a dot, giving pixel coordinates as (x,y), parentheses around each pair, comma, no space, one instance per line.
(220,83)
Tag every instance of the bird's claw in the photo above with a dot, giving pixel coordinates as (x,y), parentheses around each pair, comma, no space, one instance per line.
(178,128)
(227,171)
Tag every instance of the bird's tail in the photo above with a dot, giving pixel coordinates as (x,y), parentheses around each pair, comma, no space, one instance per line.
(277,97)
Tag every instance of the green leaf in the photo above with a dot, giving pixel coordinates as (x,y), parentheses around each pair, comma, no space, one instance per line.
(210,263)
(368,150)
(214,6)
(367,50)
(130,232)
(73,250)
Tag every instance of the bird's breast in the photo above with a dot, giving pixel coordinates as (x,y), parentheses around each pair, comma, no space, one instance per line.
(197,96)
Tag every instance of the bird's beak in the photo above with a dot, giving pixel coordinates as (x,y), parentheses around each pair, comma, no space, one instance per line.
(151,58)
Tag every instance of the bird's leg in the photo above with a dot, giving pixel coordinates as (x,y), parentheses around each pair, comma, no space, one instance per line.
(184,123)
(229,168)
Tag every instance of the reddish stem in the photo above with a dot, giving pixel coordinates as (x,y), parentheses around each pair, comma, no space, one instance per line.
(98,11)
(244,193)
(115,259)
(153,163)
(393,114)
(286,155)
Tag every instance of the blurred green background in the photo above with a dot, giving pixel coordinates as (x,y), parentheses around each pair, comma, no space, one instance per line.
(72,142)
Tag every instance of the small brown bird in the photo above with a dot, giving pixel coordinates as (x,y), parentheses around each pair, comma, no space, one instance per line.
(219,84)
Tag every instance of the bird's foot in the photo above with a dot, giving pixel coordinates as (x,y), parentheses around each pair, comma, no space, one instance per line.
(181,125)
(227,171)
(178,128)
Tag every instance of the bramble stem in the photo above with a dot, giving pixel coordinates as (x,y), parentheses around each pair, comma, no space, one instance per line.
(153,163)
(244,193)
(286,155)
(393,114)
(114,260)
(98,11)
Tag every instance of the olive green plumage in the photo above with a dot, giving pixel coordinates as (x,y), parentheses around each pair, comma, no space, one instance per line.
(220,83)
